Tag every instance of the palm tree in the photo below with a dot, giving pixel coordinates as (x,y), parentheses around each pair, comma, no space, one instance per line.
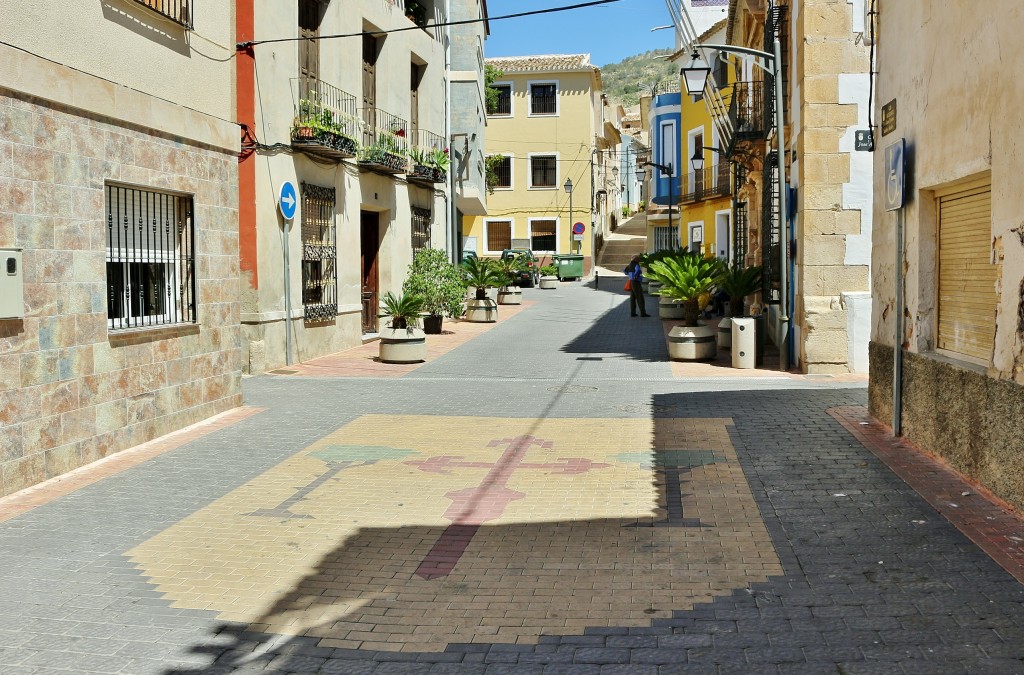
(739,282)
(689,278)
(404,309)
(482,274)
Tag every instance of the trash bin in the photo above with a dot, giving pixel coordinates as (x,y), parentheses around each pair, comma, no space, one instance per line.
(744,343)
(569,266)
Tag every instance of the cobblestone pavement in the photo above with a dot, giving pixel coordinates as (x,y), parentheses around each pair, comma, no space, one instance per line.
(548,497)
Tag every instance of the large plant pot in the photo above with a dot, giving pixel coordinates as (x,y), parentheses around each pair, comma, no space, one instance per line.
(670,308)
(432,324)
(692,343)
(489,293)
(725,333)
(653,287)
(402,345)
(481,311)
(549,282)
(510,295)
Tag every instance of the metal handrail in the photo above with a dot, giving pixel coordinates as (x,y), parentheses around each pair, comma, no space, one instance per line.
(325,107)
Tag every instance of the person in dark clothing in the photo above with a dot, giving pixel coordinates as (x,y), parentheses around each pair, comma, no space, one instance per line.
(635,275)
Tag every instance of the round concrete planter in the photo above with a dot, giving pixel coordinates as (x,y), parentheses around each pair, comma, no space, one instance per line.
(652,287)
(481,311)
(549,282)
(692,343)
(402,345)
(725,333)
(510,295)
(492,293)
(670,308)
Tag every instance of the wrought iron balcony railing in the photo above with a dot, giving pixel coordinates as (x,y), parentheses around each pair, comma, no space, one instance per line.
(429,156)
(385,141)
(178,11)
(712,181)
(325,119)
(747,110)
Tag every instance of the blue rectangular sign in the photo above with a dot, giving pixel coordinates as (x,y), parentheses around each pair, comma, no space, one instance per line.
(894,175)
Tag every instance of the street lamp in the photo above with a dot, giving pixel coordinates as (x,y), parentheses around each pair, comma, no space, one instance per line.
(695,73)
(568,188)
(641,173)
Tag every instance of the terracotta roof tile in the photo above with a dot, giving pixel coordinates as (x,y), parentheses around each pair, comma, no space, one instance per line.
(541,63)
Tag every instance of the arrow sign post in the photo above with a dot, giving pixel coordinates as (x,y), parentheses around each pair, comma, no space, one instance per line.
(287,200)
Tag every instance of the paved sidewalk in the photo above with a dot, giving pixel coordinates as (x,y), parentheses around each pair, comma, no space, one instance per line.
(547,497)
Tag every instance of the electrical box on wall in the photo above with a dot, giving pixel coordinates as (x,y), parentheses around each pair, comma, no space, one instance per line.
(12,284)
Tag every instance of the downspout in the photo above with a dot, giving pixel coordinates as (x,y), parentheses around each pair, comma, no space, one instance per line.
(245,103)
(450,200)
(783,216)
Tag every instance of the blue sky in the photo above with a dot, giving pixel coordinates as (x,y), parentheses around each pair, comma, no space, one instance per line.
(608,33)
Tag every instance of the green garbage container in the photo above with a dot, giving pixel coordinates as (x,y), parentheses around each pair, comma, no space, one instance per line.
(569,266)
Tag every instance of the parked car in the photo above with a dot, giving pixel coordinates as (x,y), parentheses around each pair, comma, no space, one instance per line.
(530,276)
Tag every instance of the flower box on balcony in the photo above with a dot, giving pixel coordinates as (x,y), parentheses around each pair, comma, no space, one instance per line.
(324,142)
(379,158)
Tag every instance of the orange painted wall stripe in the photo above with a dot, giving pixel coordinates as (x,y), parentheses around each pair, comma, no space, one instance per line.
(245,75)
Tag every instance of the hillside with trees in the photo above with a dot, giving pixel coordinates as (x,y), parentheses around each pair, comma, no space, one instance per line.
(623,81)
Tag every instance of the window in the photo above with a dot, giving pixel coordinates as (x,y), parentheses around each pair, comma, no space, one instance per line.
(179,11)
(543,171)
(150,258)
(498,235)
(420,229)
(666,238)
(543,98)
(502,168)
(503,106)
(542,236)
(966,276)
(319,254)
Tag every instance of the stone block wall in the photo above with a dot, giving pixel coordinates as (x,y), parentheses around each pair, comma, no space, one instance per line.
(973,421)
(71,391)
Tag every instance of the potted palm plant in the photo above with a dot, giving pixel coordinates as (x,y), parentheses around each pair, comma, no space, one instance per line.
(441,285)
(508,292)
(549,277)
(482,274)
(402,341)
(738,283)
(691,279)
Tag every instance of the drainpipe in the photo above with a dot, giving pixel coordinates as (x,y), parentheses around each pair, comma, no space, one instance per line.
(783,218)
(897,348)
(450,201)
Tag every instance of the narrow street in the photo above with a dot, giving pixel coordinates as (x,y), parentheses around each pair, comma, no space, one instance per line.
(550,496)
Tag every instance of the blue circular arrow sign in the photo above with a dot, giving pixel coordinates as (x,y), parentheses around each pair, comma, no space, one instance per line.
(288,200)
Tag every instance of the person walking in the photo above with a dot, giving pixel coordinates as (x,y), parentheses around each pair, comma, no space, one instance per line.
(635,275)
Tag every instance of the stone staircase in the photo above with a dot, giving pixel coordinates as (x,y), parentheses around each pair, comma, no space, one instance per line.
(628,239)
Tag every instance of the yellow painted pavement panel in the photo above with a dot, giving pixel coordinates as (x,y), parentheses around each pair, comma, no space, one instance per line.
(473,529)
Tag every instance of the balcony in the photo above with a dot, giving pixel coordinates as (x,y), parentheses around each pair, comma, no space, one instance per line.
(712,182)
(430,158)
(747,111)
(385,142)
(325,123)
(178,11)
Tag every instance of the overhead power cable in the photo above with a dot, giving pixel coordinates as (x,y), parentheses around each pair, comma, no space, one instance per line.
(252,43)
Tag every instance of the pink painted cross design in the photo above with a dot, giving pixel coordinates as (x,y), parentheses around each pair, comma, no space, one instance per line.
(472,507)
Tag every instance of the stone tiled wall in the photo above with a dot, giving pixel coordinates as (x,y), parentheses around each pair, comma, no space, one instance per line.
(71,391)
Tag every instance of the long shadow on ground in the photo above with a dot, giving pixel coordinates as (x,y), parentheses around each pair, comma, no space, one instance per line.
(872,579)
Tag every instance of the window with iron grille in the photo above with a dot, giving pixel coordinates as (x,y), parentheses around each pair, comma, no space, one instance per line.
(666,238)
(542,236)
(179,11)
(420,229)
(544,99)
(502,168)
(150,258)
(543,171)
(499,235)
(319,254)
(503,106)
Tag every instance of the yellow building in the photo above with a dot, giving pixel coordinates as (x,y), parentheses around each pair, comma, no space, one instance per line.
(705,200)
(546,125)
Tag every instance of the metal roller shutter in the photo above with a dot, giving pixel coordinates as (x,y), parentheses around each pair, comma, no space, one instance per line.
(966,276)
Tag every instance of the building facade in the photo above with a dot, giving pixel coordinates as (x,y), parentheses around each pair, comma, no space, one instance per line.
(118,229)
(358,125)
(959,283)
(824,70)
(664,185)
(546,125)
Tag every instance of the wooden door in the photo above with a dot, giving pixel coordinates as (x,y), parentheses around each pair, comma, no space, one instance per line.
(369,245)
(414,103)
(698,176)
(309,49)
(369,89)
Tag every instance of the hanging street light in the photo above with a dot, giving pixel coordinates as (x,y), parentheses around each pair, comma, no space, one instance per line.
(568,188)
(695,73)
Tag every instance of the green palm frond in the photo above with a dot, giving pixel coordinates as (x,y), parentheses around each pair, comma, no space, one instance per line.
(483,273)
(686,277)
(739,282)
(403,309)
